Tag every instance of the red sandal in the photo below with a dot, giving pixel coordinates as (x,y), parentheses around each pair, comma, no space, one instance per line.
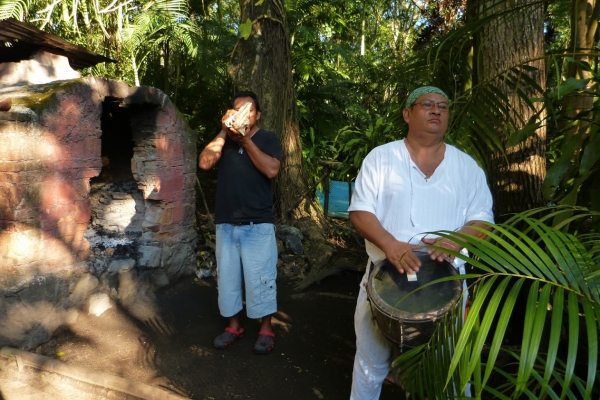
(265,342)
(227,338)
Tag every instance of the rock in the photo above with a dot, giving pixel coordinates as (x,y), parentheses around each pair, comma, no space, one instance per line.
(280,247)
(150,256)
(99,303)
(82,289)
(34,308)
(284,231)
(120,265)
(204,273)
(294,244)
(160,279)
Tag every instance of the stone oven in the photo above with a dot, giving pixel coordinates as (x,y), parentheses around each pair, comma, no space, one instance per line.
(96,190)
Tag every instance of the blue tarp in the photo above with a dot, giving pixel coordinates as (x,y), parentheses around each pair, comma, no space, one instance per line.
(338,199)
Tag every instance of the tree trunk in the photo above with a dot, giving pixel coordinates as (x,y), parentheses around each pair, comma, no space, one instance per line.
(515,180)
(578,107)
(262,63)
(584,22)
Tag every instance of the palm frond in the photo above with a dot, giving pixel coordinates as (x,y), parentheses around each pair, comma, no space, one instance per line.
(525,264)
(17,9)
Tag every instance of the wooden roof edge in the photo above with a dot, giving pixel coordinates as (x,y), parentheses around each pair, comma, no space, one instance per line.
(79,57)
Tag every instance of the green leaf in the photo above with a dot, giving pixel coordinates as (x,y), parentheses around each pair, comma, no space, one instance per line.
(571,85)
(557,172)
(591,155)
(524,133)
(592,336)
(246,29)
(502,325)
(573,329)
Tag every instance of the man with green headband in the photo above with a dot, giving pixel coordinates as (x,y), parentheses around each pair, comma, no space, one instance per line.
(405,188)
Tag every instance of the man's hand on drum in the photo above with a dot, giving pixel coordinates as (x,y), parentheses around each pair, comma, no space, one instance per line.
(401,255)
(441,255)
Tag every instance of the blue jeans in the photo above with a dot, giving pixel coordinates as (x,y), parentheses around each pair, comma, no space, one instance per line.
(247,261)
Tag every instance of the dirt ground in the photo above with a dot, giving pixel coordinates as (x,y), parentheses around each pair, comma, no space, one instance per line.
(171,348)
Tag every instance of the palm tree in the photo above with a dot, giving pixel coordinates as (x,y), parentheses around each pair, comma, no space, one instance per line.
(558,268)
(163,34)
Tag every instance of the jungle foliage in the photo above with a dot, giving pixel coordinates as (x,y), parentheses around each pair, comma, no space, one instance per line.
(354,63)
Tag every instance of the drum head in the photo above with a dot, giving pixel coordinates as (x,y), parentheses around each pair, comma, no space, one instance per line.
(388,290)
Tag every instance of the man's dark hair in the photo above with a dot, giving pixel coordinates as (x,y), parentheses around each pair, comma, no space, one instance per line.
(247,93)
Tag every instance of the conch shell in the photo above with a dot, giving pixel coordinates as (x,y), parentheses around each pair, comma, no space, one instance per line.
(240,120)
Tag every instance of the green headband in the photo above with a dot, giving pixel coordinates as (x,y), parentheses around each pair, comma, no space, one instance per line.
(418,92)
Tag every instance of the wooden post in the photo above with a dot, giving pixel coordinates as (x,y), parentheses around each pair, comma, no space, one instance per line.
(328,166)
(349,190)
(326,190)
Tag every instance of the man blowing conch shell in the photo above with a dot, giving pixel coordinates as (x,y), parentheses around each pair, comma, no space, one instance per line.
(248,158)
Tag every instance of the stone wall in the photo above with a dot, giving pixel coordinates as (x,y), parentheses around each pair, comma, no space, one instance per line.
(56,245)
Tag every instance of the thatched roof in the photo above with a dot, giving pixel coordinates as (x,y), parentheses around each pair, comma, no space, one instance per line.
(18,41)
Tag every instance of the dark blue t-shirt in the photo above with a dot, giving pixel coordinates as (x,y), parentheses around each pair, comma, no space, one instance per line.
(244,194)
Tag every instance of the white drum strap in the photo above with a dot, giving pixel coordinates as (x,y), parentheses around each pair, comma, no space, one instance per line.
(369,269)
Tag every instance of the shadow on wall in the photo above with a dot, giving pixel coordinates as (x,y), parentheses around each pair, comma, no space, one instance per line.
(53,209)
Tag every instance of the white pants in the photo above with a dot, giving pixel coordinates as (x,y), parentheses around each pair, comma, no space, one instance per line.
(373,352)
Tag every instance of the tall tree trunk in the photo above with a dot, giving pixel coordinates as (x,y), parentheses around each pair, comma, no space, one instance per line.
(584,22)
(578,107)
(516,180)
(262,63)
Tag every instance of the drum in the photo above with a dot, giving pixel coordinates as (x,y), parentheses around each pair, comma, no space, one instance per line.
(410,321)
